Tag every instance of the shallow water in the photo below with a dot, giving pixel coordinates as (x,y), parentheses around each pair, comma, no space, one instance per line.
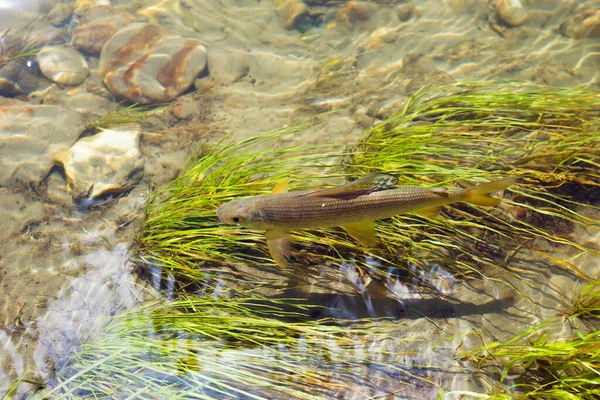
(344,66)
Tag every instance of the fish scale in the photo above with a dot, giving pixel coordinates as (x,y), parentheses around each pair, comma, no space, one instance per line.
(298,211)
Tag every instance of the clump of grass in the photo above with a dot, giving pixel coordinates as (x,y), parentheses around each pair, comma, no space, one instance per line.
(17,47)
(587,303)
(227,348)
(123,116)
(546,137)
(544,366)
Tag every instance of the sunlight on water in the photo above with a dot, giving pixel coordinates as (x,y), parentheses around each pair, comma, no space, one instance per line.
(102,104)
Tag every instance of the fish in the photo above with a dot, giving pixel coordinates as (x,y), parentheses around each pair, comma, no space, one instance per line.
(355,206)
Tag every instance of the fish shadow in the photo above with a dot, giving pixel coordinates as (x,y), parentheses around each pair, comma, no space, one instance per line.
(354,307)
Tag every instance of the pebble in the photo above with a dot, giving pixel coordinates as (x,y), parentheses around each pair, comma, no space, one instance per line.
(108,162)
(63,65)
(185,108)
(584,25)
(511,12)
(97,26)
(18,79)
(30,137)
(59,13)
(291,12)
(142,64)
(226,67)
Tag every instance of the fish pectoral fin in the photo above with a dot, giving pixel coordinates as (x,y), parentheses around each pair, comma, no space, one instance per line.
(365,185)
(281,187)
(428,212)
(279,246)
(364,232)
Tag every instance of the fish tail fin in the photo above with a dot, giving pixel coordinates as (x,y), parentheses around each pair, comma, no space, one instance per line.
(480,195)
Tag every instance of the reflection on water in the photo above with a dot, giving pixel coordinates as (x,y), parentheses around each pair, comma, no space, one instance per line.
(247,68)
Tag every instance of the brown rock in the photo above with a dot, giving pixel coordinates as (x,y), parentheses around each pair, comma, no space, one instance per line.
(584,25)
(289,11)
(97,26)
(144,65)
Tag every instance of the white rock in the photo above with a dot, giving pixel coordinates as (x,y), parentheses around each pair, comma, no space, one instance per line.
(63,65)
(511,12)
(108,162)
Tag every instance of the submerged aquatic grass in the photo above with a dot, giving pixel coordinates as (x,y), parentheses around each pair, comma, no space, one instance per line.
(546,137)
(123,116)
(587,303)
(229,348)
(17,46)
(537,364)
(230,333)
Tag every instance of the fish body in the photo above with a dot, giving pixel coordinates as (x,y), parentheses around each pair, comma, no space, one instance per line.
(354,206)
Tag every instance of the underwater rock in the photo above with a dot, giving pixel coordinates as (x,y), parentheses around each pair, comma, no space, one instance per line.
(18,78)
(269,67)
(404,12)
(226,67)
(82,6)
(354,12)
(144,65)
(108,162)
(583,25)
(290,12)
(63,65)
(30,138)
(171,14)
(97,26)
(510,12)
(59,13)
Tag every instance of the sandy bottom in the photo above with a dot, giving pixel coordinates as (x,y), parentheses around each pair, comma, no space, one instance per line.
(61,268)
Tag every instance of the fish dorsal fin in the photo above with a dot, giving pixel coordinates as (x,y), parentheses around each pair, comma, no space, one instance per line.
(281,187)
(279,246)
(364,232)
(365,185)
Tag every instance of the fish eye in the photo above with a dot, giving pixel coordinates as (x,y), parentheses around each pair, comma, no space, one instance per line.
(237,220)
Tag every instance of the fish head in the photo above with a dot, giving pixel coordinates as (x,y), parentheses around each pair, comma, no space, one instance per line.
(243,212)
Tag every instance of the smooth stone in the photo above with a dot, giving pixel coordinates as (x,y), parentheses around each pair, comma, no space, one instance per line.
(19,78)
(264,66)
(98,25)
(225,66)
(108,162)
(290,11)
(583,25)
(30,137)
(511,12)
(63,65)
(59,13)
(144,65)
